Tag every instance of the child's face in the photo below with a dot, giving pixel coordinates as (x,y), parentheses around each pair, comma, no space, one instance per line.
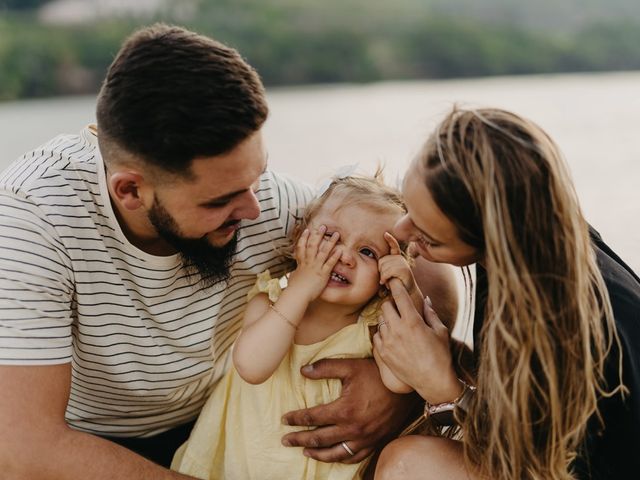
(355,278)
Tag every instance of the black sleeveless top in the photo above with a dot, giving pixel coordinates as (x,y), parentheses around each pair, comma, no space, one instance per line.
(612,448)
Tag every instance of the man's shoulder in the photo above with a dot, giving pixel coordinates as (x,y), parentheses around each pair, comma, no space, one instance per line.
(283,189)
(61,160)
(282,181)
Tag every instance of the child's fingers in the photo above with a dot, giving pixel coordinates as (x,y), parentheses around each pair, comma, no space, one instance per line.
(394,246)
(388,273)
(392,266)
(301,245)
(332,260)
(315,238)
(327,246)
(383,268)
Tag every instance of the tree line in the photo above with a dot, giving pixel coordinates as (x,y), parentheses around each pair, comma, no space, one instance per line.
(293,43)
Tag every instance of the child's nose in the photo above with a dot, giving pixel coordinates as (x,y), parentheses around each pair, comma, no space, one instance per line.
(347,257)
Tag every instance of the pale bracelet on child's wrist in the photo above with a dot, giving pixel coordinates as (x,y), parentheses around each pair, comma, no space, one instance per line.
(282,316)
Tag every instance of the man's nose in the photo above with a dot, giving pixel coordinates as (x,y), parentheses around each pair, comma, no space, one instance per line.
(248,207)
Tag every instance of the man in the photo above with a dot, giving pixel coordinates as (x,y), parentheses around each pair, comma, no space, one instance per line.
(126,254)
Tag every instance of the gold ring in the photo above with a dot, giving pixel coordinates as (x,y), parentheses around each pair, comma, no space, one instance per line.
(346,447)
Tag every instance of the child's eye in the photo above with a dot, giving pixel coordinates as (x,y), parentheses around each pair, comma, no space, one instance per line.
(328,235)
(368,252)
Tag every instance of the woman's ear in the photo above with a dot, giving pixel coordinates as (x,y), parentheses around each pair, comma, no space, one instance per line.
(126,188)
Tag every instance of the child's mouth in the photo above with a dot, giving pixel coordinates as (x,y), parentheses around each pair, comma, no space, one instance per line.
(336,277)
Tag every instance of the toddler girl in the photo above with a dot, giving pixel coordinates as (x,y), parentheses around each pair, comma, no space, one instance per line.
(343,256)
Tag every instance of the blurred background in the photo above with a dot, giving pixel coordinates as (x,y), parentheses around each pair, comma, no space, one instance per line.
(366,80)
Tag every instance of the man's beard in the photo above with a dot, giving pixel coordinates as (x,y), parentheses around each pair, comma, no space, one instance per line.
(199,257)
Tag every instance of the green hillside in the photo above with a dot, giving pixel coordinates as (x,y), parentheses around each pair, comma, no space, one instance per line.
(300,42)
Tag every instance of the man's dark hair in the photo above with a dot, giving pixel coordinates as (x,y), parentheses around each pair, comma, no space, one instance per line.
(172,95)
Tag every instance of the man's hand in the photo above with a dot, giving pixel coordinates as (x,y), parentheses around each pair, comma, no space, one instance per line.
(365,416)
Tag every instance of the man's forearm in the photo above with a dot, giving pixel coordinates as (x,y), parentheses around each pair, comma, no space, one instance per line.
(72,455)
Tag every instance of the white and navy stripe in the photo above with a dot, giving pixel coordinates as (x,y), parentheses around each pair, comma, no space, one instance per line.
(145,340)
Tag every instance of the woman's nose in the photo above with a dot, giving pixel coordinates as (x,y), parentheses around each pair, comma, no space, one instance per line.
(403,228)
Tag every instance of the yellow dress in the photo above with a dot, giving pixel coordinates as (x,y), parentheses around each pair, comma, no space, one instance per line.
(239,431)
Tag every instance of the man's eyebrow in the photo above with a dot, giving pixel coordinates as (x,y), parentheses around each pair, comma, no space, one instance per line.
(229,196)
(223,198)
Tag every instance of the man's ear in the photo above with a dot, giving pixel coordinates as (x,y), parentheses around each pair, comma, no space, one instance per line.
(129,189)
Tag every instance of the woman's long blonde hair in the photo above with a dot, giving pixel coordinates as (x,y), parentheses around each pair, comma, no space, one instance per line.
(548,321)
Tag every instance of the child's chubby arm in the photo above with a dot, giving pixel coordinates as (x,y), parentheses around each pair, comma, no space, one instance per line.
(394,265)
(269,330)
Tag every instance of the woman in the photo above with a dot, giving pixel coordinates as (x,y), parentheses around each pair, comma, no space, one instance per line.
(554,390)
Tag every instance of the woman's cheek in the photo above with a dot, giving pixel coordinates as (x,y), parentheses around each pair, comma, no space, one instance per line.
(424,253)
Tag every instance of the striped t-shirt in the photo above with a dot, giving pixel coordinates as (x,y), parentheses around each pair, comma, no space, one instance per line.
(146,342)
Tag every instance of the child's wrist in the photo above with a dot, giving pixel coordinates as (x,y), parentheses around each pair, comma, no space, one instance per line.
(299,291)
(283,316)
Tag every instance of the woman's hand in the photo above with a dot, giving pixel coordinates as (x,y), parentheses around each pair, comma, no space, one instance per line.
(416,349)
(315,257)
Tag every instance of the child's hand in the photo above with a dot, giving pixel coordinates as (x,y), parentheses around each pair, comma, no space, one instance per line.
(394,265)
(316,256)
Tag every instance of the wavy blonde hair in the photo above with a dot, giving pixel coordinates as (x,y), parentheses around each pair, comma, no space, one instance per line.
(370,192)
(548,320)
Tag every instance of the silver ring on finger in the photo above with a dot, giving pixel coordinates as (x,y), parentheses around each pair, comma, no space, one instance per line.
(347,449)
(381,323)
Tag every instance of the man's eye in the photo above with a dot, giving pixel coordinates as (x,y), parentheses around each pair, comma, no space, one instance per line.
(220,204)
(368,253)
(327,235)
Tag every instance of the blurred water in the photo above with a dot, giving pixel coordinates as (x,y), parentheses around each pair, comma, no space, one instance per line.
(314,130)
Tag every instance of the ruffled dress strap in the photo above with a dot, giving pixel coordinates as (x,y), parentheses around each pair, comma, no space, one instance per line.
(371,313)
(265,284)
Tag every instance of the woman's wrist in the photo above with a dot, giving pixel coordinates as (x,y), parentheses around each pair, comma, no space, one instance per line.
(443,413)
(447,392)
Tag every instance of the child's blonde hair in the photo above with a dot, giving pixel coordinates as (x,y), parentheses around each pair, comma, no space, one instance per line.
(369,192)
